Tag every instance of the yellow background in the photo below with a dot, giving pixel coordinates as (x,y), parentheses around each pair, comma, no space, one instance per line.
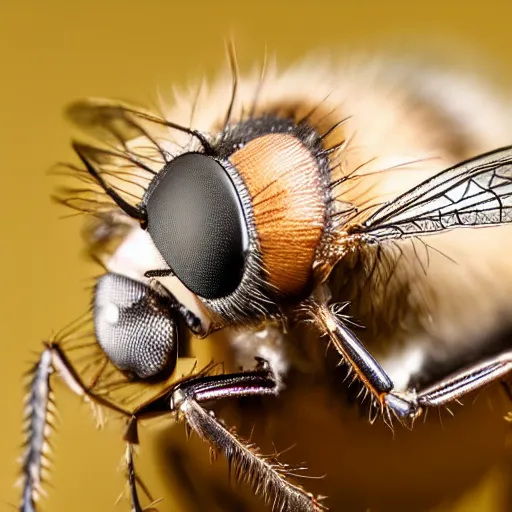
(56,51)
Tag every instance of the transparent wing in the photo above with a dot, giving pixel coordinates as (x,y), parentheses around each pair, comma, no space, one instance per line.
(474,193)
(126,153)
(117,123)
(104,119)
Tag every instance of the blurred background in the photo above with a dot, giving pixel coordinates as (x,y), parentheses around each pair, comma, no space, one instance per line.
(57,51)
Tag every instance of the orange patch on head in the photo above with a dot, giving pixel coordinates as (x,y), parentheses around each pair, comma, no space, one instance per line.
(284,181)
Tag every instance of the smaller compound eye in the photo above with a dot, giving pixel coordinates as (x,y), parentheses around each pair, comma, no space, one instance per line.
(134,326)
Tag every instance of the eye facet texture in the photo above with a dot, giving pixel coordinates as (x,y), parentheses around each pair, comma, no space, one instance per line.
(196,222)
(134,326)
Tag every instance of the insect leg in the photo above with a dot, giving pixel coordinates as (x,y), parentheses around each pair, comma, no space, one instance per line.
(38,414)
(361,362)
(454,386)
(462,382)
(408,404)
(133,480)
(265,475)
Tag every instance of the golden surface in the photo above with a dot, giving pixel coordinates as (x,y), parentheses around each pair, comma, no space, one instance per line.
(56,51)
(284,207)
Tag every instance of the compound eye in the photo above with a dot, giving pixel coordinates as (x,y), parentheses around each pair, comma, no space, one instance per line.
(196,222)
(134,326)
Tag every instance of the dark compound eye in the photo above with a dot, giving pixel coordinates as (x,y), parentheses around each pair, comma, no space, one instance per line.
(196,222)
(134,326)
